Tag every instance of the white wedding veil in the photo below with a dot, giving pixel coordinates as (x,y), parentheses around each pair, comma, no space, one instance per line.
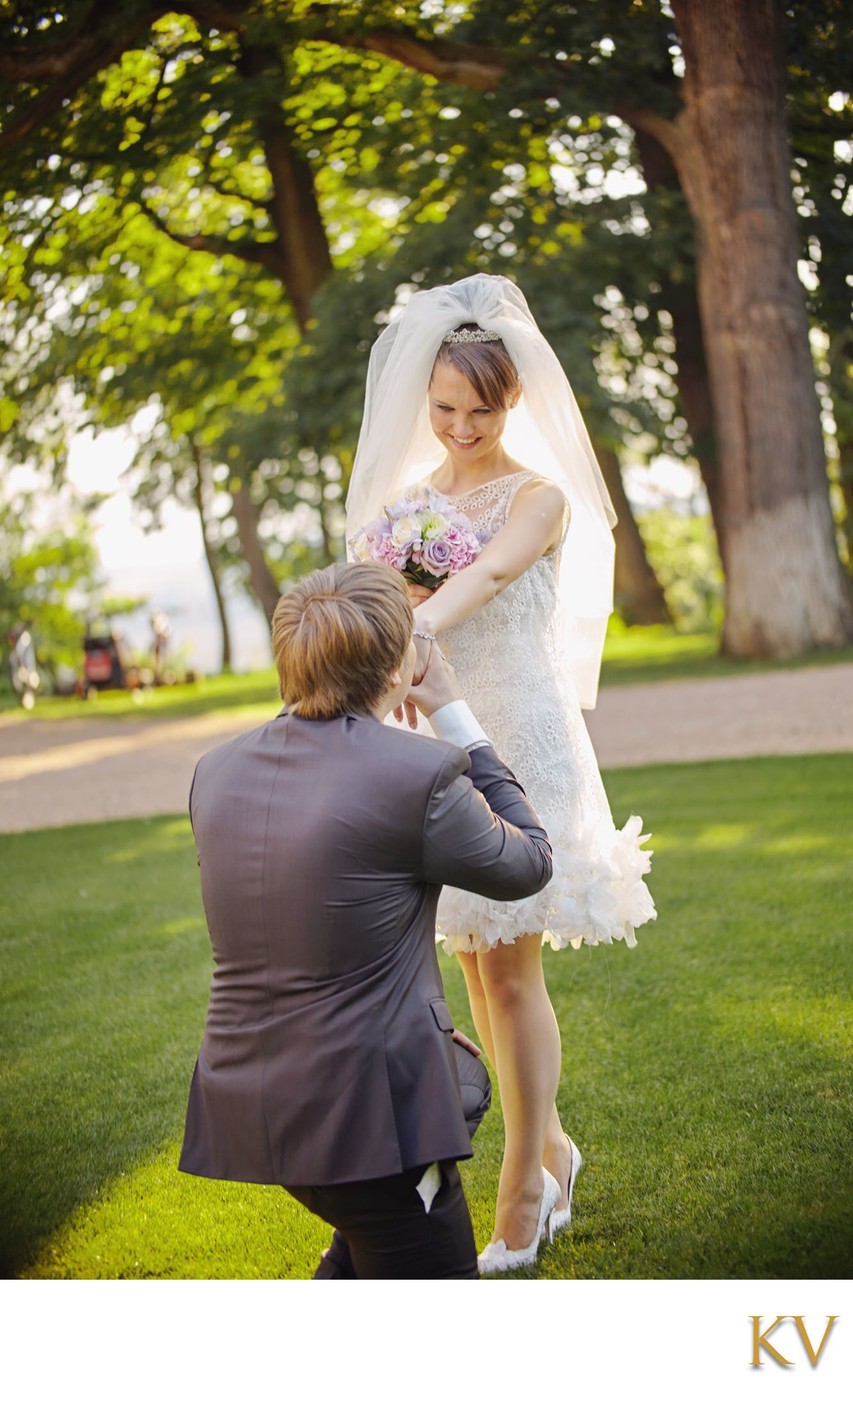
(545,432)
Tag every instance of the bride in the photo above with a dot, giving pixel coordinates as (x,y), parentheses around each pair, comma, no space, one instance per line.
(464,394)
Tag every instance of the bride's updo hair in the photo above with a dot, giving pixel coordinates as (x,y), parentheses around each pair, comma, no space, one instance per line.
(486,364)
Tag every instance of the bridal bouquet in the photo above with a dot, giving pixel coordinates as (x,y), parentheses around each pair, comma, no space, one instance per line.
(422,536)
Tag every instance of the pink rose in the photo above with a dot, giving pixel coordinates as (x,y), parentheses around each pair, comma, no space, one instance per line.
(436,556)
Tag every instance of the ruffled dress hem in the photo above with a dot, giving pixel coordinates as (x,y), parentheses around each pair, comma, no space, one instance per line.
(595,897)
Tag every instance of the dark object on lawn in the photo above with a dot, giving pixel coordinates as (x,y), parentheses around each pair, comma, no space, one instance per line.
(105,662)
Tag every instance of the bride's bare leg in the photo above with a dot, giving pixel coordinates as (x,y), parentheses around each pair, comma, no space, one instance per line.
(477,1002)
(526,1044)
(557,1156)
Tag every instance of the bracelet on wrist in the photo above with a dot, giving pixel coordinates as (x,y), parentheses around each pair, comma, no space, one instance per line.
(423,634)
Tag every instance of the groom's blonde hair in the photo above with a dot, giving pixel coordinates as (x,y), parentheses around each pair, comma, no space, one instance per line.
(338,635)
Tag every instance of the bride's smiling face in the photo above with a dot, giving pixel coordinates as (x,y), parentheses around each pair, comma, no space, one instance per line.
(469,430)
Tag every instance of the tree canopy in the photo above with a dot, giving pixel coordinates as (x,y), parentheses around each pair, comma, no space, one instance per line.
(208,207)
(49,577)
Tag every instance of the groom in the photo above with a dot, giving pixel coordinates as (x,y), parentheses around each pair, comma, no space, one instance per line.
(327,1064)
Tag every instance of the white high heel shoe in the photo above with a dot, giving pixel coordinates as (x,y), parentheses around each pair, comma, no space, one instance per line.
(497,1258)
(561,1219)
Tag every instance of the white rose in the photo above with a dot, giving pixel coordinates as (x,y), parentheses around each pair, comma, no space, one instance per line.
(405,531)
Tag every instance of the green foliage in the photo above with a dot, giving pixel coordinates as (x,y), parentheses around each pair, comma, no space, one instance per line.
(159,250)
(48,577)
(682,549)
(694,1166)
(819,58)
(416,181)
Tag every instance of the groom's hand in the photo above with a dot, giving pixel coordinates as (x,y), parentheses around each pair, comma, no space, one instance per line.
(466,1043)
(438,686)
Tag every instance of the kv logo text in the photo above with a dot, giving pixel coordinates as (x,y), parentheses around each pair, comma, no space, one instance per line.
(761,1340)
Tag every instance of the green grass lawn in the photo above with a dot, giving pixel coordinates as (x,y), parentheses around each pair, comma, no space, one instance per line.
(643,654)
(706,1074)
(226,693)
(657,653)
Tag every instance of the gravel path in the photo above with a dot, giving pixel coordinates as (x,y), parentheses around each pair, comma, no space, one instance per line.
(58,773)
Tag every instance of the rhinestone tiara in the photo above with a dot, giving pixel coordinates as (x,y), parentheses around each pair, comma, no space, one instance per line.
(463,334)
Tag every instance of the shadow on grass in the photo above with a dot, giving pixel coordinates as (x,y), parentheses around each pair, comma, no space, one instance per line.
(105,980)
(704,1074)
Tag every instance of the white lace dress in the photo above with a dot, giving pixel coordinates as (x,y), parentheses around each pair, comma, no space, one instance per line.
(506,659)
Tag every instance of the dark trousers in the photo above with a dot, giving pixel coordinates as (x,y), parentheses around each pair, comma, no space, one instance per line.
(381,1227)
(384,1231)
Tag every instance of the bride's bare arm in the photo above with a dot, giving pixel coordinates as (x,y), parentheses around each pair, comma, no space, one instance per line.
(533,528)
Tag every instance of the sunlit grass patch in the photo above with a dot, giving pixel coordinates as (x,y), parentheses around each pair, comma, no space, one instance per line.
(706,1074)
(655,653)
(153,1222)
(254,693)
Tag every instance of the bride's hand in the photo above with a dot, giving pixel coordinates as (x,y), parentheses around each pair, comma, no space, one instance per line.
(438,686)
(418,593)
(422,652)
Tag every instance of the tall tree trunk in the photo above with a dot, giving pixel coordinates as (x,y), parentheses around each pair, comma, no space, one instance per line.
(200,500)
(304,259)
(261,579)
(304,262)
(680,297)
(839,388)
(786,591)
(845,487)
(638,592)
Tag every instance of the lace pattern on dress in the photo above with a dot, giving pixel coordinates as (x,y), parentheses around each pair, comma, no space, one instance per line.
(509,663)
(488,506)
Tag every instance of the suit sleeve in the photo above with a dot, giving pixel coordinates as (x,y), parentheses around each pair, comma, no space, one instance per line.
(480,831)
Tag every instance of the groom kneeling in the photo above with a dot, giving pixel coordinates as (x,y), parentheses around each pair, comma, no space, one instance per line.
(327,1064)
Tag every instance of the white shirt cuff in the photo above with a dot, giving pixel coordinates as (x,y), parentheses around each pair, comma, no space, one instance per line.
(455,722)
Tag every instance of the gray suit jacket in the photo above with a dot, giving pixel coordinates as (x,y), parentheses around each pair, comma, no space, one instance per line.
(327,1054)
